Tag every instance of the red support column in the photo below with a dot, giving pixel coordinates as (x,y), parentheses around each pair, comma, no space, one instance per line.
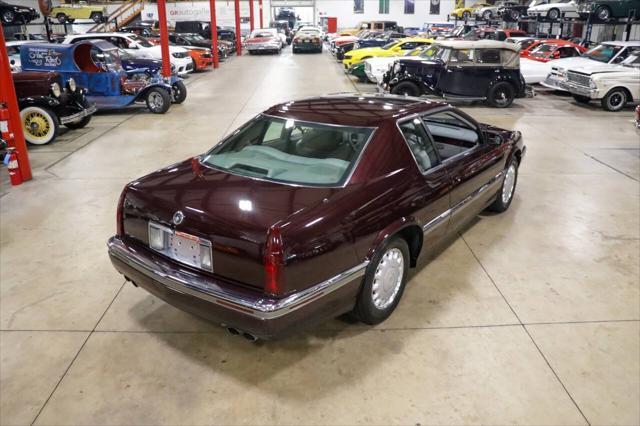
(260,7)
(238,32)
(164,38)
(214,33)
(8,97)
(251,15)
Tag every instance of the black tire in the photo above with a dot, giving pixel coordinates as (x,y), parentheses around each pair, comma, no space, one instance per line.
(582,99)
(406,88)
(369,307)
(615,100)
(603,13)
(193,64)
(40,125)
(501,95)
(466,15)
(158,100)
(96,17)
(553,14)
(294,50)
(61,17)
(178,92)
(486,15)
(70,21)
(79,124)
(507,189)
(8,17)
(514,15)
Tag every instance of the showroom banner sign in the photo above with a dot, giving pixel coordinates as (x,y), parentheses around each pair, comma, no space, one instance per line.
(198,11)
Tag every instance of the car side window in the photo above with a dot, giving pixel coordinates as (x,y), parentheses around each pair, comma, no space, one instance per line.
(420,144)
(461,56)
(488,56)
(451,134)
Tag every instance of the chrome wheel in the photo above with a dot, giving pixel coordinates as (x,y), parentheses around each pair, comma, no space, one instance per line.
(603,13)
(615,100)
(509,183)
(387,279)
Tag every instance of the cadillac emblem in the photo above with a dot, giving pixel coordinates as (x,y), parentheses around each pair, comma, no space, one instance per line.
(178,218)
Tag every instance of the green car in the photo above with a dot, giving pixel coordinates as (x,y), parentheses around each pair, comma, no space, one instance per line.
(358,71)
(604,10)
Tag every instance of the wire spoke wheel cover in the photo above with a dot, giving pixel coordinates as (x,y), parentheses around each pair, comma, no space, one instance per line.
(38,124)
(387,279)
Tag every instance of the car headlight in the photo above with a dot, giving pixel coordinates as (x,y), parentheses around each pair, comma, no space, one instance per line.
(55,89)
(72,84)
(592,84)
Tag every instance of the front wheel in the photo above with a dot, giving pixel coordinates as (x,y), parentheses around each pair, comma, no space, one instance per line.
(61,17)
(8,17)
(384,282)
(615,100)
(79,123)
(515,15)
(406,88)
(40,125)
(96,17)
(553,14)
(505,196)
(582,99)
(158,100)
(178,92)
(501,95)
(466,15)
(486,15)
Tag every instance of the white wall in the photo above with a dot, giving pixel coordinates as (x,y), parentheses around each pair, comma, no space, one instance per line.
(343,10)
(199,11)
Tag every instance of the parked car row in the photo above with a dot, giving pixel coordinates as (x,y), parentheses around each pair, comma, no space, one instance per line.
(496,72)
(508,10)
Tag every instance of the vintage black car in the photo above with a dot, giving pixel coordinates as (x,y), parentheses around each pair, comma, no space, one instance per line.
(471,70)
(46,103)
(14,14)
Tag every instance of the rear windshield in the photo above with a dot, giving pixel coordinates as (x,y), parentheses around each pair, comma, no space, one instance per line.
(290,151)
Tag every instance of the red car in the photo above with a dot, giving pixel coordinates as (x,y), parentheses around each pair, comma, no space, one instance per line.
(547,50)
(312,209)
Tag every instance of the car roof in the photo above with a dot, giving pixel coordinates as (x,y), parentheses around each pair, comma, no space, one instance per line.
(479,44)
(352,109)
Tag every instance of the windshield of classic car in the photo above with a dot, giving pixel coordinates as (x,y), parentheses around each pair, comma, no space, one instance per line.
(140,40)
(106,60)
(290,151)
(603,52)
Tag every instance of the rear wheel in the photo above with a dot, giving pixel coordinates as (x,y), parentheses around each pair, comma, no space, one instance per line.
(486,15)
(158,100)
(501,95)
(406,88)
(553,14)
(466,15)
(505,196)
(40,125)
(96,17)
(8,16)
(61,17)
(178,92)
(603,13)
(384,282)
(615,100)
(514,14)
(582,99)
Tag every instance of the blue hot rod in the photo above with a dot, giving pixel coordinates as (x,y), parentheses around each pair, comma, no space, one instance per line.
(96,65)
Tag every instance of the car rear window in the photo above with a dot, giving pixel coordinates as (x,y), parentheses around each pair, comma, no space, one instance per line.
(285,150)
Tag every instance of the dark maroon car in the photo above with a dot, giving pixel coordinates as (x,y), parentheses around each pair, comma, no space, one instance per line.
(312,209)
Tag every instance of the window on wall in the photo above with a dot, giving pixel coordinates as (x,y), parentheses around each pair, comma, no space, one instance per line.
(383,6)
(409,7)
(358,6)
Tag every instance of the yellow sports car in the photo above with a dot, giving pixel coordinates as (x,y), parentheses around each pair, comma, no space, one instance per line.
(395,48)
(467,12)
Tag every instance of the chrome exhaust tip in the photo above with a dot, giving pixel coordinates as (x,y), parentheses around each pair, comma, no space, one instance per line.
(249,337)
(233,331)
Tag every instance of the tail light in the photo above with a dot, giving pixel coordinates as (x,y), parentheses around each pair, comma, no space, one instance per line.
(120,213)
(273,263)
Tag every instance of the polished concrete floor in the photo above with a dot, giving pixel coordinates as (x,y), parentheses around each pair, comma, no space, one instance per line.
(529,317)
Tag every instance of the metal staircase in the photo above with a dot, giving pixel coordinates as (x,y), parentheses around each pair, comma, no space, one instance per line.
(122,16)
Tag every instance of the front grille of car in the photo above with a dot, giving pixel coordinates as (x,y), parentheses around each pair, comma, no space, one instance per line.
(579,79)
(180,55)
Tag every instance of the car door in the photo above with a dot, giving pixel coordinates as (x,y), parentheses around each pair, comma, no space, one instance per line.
(453,79)
(473,164)
(430,195)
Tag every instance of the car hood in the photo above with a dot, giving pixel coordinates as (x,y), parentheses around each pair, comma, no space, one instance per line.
(606,69)
(157,50)
(344,39)
(141,63)
(578,61)
(367,51)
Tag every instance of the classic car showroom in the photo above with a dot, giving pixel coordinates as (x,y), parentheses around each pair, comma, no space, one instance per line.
(320,212)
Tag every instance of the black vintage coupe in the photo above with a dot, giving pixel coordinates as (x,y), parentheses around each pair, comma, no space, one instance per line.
(14,14)
(482,70)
